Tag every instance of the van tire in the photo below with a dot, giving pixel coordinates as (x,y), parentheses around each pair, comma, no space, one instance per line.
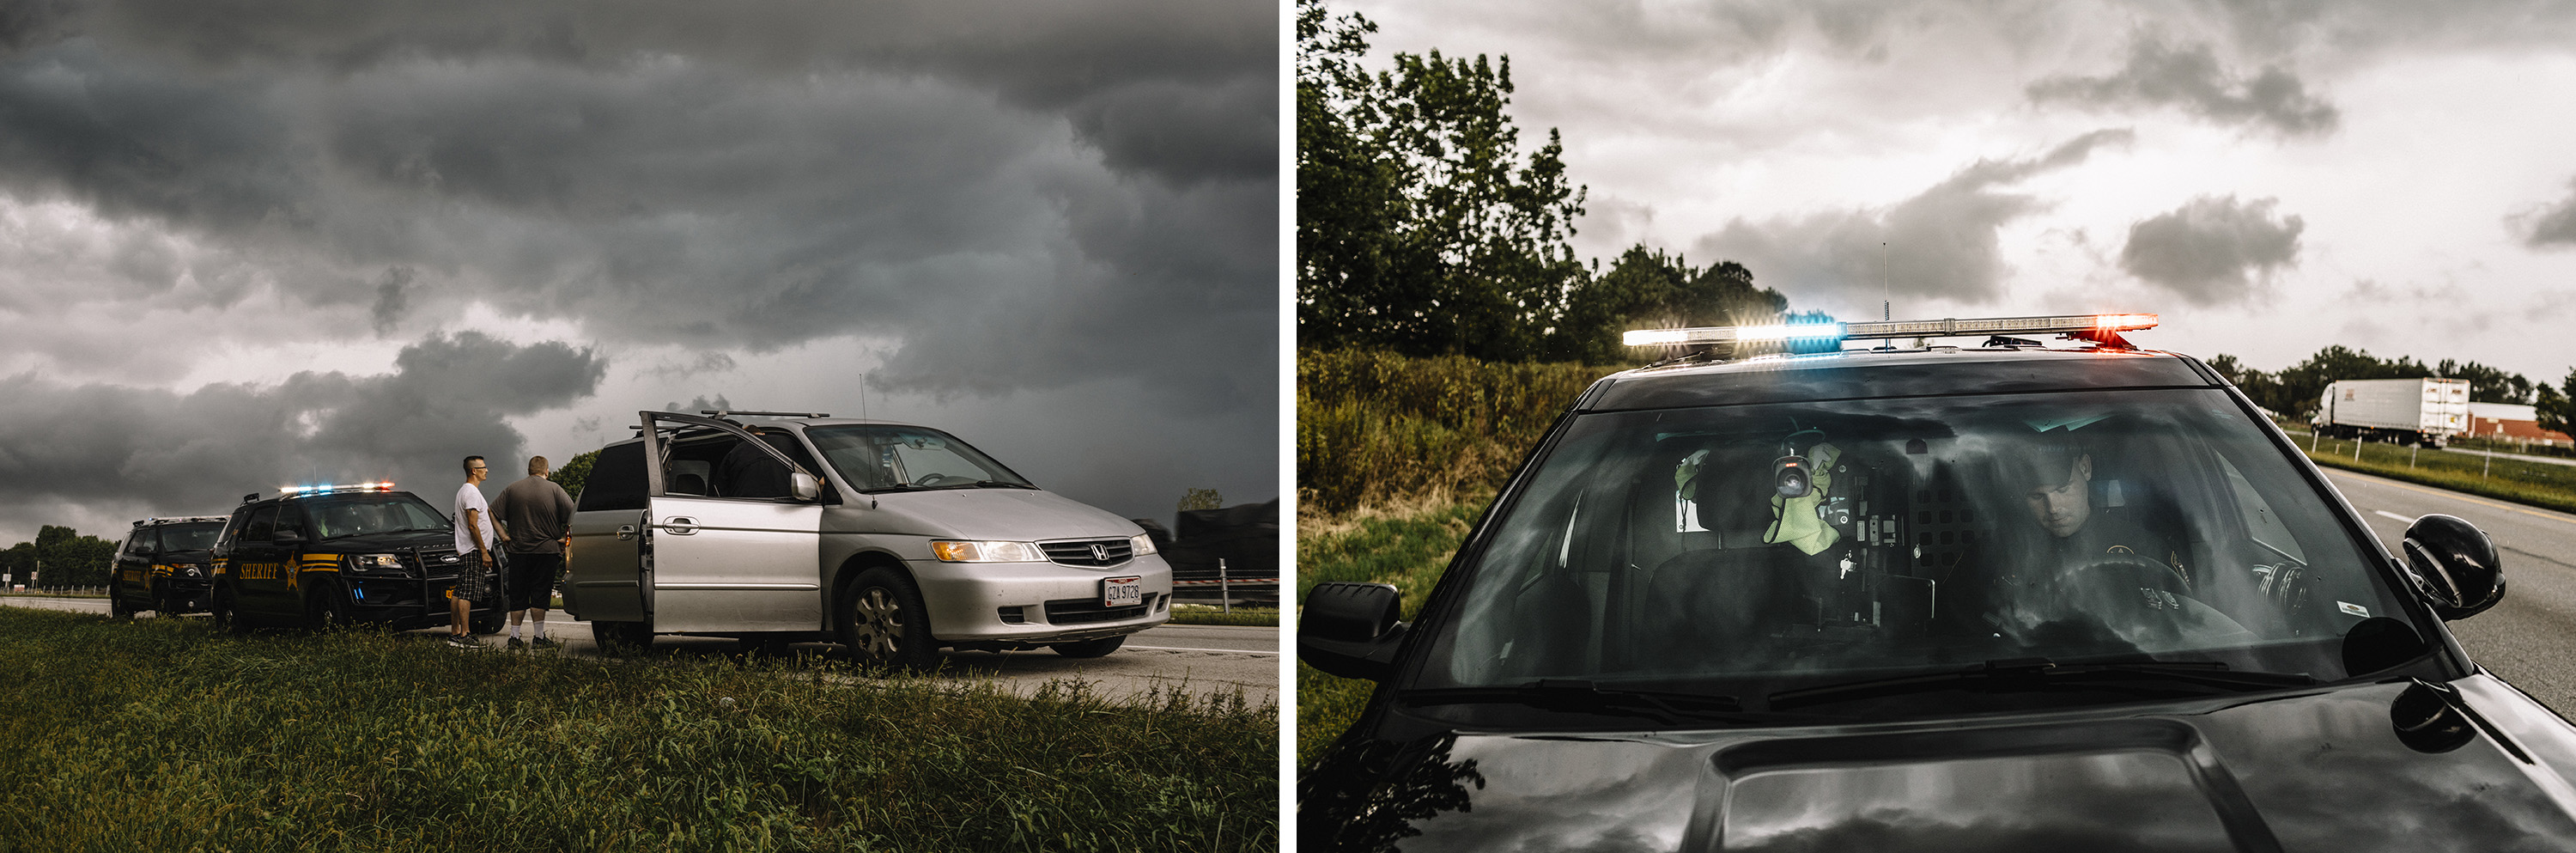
(617,638)
(882,621)
(116,606)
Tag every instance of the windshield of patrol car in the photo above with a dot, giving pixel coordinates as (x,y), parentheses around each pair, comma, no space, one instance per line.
(339,516)
(1749,550)
(190,537)
(898,458)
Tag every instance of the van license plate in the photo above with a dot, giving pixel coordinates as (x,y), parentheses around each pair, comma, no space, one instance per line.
(1122,592)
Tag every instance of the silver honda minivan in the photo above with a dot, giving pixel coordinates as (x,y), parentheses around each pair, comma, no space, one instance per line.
(892,539)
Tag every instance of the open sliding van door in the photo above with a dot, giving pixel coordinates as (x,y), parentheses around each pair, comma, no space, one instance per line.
(730,552)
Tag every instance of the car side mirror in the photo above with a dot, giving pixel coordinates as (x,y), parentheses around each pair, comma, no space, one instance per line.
(803,486)
(2454,566)
(1350,629)
(286,537)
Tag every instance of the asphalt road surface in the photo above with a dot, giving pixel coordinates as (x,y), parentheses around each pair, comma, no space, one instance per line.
(1196,659)
(2529,638)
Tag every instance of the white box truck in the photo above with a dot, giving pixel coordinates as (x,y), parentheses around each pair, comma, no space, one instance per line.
(2404,411)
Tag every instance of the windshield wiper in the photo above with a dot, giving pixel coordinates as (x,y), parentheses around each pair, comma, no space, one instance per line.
(2016,674)
(1670,707)
(1001,484)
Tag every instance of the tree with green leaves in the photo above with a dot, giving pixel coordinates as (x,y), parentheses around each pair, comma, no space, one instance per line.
(1421,226)
(1201,499)
(2557,406)
(574,473)
(1649,289)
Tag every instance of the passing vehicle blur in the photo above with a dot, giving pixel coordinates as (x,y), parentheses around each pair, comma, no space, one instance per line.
(892,539)
(2002,596)
(318,556)
(166,565)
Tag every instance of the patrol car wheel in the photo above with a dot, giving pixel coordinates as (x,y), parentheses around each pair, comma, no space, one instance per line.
(326,607)
(883,621)
(226,615)
(116,606)
(1090,648)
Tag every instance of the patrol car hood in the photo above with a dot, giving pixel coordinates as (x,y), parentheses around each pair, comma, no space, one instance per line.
(181,558)
(2321,770)
(1011,514)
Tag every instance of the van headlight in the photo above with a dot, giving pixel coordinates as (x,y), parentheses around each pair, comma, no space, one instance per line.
(1142,543)
(376,561)
(955,551)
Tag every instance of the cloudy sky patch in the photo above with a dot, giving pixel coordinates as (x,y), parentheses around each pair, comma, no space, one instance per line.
(368,220)
(2276,155)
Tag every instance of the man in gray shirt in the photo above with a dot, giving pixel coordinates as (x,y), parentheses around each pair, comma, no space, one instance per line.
(536,529)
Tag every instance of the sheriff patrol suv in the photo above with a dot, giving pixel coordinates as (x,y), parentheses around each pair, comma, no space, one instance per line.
(316,556)
(893,539)
(2005,596)
(166,566)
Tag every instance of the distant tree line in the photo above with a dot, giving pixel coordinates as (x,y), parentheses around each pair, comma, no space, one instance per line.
(1422,229)
(63,555)
(2295,390)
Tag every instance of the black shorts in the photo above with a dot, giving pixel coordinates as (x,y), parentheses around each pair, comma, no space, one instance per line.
(532,580)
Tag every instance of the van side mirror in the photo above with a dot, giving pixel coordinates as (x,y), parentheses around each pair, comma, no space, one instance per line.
(286,537)
(803,486)
(2454,565)
(1350,629)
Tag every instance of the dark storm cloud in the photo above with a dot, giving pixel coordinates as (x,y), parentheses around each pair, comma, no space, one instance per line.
(2552,226)
(2190,78)
(1940,243)
(2212,249)
(164,452)
(749,176)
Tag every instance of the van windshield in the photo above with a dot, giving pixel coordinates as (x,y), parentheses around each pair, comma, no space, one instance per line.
(902,458)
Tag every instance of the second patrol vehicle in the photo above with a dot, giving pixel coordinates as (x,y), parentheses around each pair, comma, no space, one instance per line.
(166,566)
(316,556)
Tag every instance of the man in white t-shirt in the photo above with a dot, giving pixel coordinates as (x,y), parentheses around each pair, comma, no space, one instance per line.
(475,542)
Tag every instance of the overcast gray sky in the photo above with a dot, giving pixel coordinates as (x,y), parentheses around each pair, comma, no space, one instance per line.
(2272,178)
(244,245)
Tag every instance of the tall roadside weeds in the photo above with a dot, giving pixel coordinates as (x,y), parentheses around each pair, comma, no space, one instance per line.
(163,735)
(1396,459)
(1376,429)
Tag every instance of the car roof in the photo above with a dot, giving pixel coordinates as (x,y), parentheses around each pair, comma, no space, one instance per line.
(179,519)
(700,432)
(1870,373)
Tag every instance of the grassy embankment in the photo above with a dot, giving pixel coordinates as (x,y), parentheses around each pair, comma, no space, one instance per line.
(1396,458)
(2539,484)
(164,735)
(1209,614)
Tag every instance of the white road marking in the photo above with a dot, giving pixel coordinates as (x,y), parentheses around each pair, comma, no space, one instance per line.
(1219,651)
(2386,514)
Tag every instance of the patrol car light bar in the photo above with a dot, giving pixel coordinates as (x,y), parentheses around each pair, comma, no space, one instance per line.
(1944,328)
(385,486)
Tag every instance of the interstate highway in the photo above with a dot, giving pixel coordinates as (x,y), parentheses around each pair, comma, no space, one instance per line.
(2529,638)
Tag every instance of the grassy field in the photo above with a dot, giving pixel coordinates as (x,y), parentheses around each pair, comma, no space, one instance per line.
(1209,614)
(163,735)
(1409,551)
(2540,484)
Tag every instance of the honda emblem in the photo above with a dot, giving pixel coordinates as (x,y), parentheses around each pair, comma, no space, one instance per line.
(1099,552)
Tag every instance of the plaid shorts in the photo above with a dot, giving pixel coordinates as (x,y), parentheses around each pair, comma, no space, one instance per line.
(474,583)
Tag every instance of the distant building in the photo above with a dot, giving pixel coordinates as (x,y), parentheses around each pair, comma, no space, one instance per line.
(2511,422)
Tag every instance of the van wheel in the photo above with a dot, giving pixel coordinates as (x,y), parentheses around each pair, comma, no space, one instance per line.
(116,606)
(882,621)
(1090,648)
(227,612)
(619,638)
